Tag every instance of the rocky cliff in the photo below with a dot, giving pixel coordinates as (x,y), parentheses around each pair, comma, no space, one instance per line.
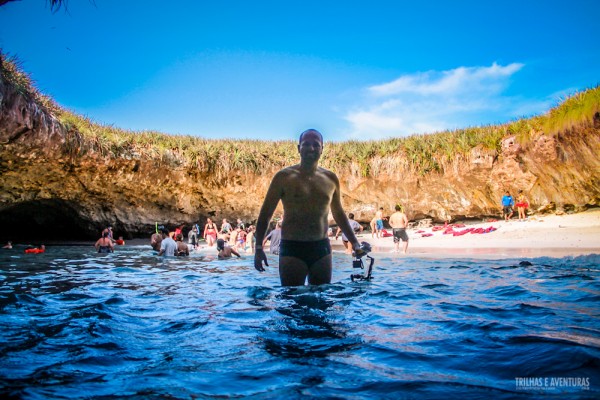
(51,190)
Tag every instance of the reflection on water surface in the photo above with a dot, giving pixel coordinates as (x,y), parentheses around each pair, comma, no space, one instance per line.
(77,324)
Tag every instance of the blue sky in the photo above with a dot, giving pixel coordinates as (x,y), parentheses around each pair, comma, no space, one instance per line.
(270,69)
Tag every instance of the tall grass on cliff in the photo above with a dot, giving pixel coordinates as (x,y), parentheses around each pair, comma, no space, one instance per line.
(574,111)
(13,74)
(219,158)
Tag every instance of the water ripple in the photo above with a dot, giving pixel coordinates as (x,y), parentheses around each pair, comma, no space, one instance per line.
(131,325)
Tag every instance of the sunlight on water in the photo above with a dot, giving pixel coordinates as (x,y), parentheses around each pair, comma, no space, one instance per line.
(77,324)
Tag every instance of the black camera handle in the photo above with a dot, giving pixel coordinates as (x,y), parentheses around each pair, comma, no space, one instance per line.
(366,275)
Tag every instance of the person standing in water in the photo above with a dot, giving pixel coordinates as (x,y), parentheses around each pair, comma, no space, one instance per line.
(307,192)
(275,239)
(104,244)
(399,222)
(168,246)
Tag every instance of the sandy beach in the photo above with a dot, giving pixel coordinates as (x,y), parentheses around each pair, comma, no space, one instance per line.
(545,235)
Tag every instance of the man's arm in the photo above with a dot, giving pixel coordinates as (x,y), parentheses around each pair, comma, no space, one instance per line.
(340,216)
(266,212)
(163,247)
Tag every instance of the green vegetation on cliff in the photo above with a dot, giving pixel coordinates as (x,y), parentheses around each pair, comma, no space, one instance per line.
(422,154)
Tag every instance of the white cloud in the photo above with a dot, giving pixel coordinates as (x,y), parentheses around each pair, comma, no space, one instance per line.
(431,101)
(447,83)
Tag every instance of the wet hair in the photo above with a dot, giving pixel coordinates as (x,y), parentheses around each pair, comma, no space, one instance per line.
(220,244)
(104,234)
(351,216)
(310,130)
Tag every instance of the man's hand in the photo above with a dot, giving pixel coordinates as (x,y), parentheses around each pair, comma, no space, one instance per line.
(259,257)
(361,249)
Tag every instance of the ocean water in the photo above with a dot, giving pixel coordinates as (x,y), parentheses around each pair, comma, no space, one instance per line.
(77,324)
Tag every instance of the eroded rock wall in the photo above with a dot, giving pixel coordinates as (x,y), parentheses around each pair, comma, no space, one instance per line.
(50,190)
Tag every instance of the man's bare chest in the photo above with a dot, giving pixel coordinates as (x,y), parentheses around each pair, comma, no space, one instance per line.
(315,190)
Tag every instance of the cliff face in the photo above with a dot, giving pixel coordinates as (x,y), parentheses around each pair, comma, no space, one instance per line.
(49,191)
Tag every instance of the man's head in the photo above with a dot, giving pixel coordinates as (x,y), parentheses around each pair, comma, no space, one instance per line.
(220,244)
(398,207)
(165,232)
(310,143)
(351,215)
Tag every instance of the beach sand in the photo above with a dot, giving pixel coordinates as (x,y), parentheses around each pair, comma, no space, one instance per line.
(539,236)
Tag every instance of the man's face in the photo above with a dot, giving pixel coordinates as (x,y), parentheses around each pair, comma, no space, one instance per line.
(311,146)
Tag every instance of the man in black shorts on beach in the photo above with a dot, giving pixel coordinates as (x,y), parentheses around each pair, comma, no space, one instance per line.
(399,222)
(307,192)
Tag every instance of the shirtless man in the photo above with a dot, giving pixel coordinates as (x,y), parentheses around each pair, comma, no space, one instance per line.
(182,248)
(155,241)
(399,222)
(307,192)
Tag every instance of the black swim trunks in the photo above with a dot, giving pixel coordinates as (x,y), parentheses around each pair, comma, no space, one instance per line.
(309,252)
(400,233)
(104,249)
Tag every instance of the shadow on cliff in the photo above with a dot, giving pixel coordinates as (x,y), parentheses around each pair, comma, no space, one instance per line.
(51,219)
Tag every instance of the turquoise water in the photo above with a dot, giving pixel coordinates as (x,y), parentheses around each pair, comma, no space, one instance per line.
(76,324)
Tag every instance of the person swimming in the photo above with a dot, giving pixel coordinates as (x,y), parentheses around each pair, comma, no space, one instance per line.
(225,251)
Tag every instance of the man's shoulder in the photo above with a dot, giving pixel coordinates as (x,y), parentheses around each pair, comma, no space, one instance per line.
(292,169)
(327,172)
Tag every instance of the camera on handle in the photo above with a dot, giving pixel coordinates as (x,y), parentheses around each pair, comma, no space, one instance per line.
(358,263)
